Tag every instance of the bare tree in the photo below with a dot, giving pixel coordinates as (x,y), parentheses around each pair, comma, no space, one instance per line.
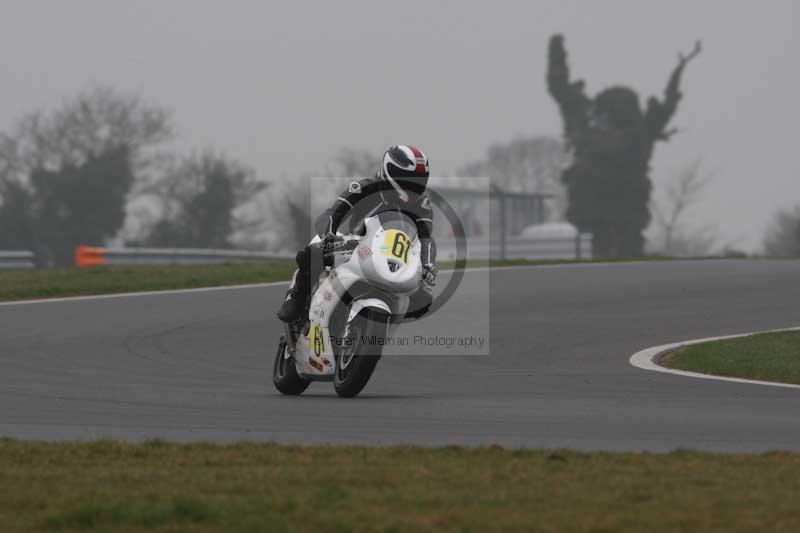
(670,209)
(74,168)
(95,121)
(293,205)
(295,201)
(527,164)
(202,202)
(783,235)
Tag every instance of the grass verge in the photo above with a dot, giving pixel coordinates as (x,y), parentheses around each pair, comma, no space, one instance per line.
(158,486)
(108,280)
(22,285)
(766,356)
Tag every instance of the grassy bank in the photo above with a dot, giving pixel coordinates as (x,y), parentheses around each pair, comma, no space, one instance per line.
(768,357)
(155,486)
(21,285)
(107,280)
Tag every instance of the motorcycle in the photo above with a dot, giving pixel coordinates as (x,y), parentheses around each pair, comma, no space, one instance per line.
(361,296)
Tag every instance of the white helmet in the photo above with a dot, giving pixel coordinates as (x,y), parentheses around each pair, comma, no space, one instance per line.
(406,167)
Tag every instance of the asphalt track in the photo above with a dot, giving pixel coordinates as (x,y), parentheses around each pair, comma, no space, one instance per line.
(197,366)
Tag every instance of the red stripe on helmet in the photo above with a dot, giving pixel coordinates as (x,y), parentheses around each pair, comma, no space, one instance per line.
(419,157)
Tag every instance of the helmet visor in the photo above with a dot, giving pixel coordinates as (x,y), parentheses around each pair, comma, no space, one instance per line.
(409,180)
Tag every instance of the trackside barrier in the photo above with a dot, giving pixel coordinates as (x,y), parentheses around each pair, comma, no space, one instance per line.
(579,247)
(88,256)
(17,260)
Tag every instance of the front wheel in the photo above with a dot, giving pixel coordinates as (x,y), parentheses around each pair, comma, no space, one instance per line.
(284,373)
(358,353)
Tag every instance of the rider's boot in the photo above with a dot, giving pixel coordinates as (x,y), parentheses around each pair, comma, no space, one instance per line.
(296,297)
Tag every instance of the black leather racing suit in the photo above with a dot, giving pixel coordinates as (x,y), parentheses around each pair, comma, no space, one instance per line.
(362,199)
(369,196)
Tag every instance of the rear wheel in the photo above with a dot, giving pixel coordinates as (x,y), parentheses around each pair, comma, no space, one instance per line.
(284,372)
(358,353)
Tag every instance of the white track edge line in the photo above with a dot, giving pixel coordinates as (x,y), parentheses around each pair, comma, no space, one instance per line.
(646,360)
(90,297)
(142,293)
(276,283)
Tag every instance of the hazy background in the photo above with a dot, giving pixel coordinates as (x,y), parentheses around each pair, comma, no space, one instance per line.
(283,85)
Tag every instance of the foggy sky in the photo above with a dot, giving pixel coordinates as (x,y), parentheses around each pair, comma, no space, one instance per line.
(283,85)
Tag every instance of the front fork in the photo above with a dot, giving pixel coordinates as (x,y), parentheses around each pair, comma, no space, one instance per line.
(294,330)
(290,337)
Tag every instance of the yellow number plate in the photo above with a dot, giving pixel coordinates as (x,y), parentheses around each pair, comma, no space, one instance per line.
(316,339)
(396,244)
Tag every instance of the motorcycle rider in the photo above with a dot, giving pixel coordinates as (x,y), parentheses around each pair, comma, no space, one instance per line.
(399,185)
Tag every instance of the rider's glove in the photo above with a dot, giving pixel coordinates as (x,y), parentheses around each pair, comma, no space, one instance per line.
(330,240)
(429,272)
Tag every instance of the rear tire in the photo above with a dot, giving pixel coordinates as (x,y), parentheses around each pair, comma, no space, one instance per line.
(284,373)
(356,361)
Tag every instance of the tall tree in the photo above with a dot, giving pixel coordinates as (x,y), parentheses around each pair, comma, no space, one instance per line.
(297,200)
(199,199)
(81,204)
(65,175)
(526,164)
(612,141)
(17,230)
(97,120)
(671,208)
(783,234)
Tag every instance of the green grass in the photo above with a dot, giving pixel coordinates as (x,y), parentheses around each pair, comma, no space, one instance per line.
(106,280)
(157,486)
(21,285)
(767,356)
(143,515)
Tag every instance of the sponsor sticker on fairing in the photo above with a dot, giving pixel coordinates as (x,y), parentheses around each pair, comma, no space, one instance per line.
(363,252)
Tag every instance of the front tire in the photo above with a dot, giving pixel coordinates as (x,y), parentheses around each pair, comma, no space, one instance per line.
(355,359)
(284,373)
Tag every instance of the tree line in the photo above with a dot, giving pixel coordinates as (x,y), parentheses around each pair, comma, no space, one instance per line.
(98,167)
(69,176)
(612,139)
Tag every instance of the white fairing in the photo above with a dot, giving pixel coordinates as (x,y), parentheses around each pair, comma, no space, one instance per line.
(375,266)
(358,305)
(369,262)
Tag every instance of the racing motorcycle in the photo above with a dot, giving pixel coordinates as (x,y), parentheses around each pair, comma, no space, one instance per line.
(361,296)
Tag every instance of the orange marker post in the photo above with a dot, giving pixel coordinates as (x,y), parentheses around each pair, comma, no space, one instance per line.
(89,256)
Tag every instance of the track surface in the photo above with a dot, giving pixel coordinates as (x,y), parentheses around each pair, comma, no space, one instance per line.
(197,366)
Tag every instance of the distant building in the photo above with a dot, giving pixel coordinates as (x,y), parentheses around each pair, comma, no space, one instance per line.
(491,213)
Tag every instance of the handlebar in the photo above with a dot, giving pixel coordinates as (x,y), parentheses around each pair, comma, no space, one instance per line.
(340,246)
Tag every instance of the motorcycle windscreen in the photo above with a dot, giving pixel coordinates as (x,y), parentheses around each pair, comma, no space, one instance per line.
(396,220)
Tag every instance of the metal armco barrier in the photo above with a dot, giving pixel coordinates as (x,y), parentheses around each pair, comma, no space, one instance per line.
(521,248)
(16,260)
(511,248)
(88,256)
